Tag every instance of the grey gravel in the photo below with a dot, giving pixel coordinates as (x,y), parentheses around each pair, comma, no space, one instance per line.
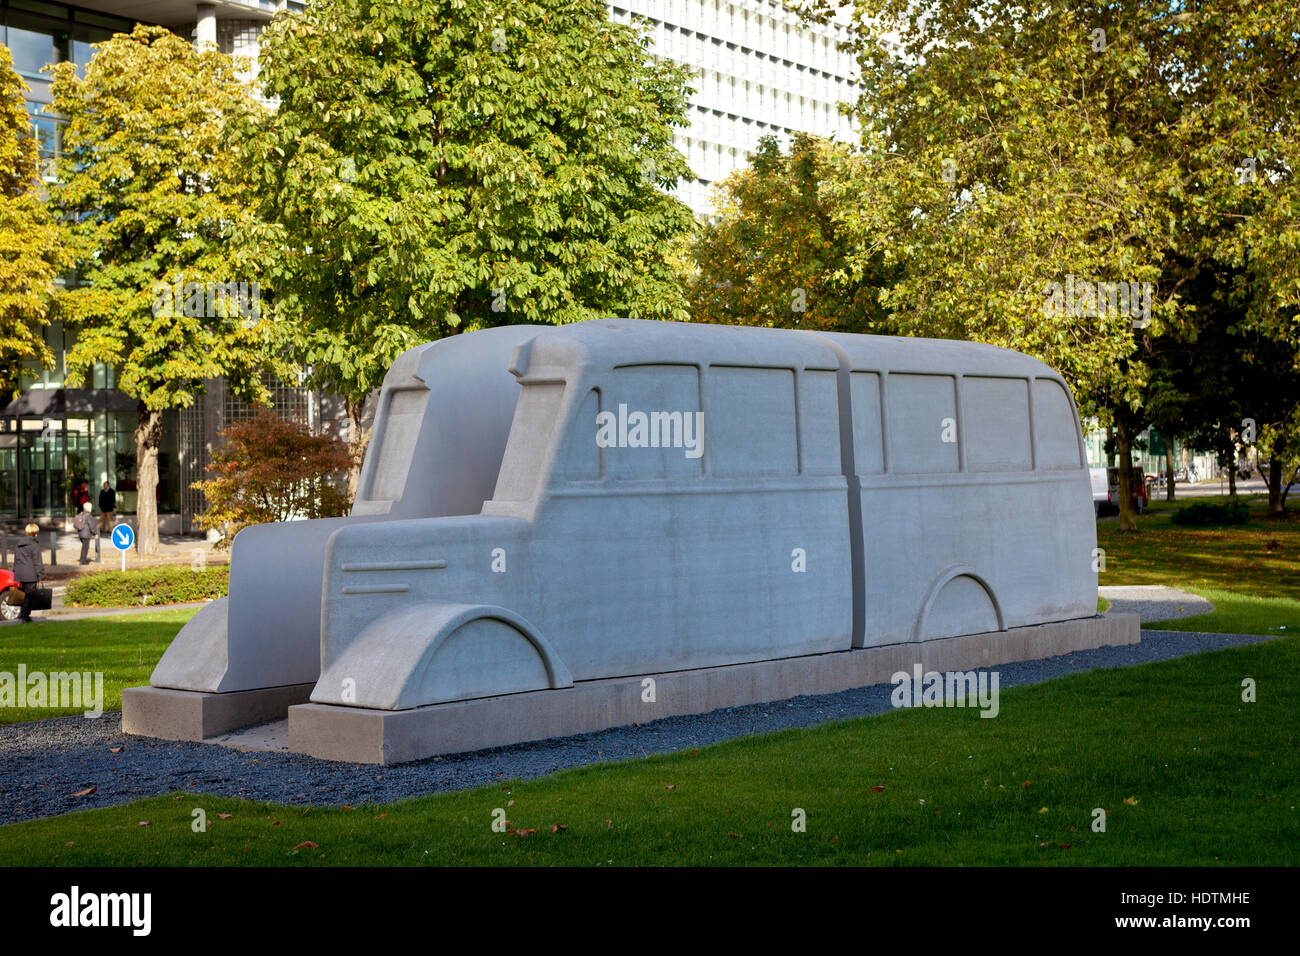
(1154,602)
(45,762)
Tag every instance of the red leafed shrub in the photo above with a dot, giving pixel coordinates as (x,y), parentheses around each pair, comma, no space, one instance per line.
(273,470)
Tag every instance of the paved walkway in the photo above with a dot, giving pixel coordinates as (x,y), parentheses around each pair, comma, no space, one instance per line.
(1154,602)
(173,549)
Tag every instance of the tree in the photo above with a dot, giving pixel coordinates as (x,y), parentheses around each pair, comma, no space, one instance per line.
(31,255)
(150,188)
(269,469)
(435,166)
(1015,155)
(777,256)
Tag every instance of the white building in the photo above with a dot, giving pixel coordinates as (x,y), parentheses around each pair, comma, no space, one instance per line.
(760,71)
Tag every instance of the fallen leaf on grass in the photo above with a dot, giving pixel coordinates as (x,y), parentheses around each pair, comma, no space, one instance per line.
(85,793)
(734,835)
(306,845)
(877,789)
(522,833)
(558,827)
(1131,801)
(671,786)
(69,843)
(143,823)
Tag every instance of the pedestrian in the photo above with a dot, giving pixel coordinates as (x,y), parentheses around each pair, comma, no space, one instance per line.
(81,493)
(84,522)
(107,505)
(28,568)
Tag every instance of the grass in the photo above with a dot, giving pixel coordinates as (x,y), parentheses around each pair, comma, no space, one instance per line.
(125,648)
(1256,558)
(1207,779)
(1184,772)
(1239,614)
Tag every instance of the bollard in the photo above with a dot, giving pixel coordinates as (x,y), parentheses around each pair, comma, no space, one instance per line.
(54,547)
(99,559)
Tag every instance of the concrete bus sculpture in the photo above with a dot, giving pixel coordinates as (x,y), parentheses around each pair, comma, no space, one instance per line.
(564,529)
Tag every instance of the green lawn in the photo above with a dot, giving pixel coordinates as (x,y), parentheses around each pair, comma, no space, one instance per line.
(1207,779)
(1262,557)
(1184,771)
(124,648)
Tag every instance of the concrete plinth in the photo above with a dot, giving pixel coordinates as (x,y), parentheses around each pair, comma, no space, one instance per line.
(191,715)
(362,735)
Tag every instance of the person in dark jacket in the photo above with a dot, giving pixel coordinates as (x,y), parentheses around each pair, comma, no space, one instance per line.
(107,505)
(28,568)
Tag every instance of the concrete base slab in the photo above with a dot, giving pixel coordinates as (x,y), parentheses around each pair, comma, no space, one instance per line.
(191,715)
(269,737)
(360,735)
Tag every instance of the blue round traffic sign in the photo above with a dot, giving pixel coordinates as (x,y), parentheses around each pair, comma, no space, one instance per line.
(123,537)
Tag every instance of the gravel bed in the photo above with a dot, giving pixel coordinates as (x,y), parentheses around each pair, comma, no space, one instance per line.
(1153,602)
(45,762)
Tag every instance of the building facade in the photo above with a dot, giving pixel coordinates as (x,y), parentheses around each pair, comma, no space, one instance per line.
(759,71)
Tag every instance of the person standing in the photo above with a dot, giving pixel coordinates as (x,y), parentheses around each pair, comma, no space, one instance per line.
(28,568)
(84,522)
(107,505)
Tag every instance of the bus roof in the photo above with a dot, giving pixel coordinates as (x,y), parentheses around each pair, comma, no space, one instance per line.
(610,343)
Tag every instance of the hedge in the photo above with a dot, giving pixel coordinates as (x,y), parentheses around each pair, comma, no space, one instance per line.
(148,586)
(1203,513)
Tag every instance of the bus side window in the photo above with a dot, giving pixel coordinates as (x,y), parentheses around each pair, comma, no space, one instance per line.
(922,423)
(819,423)
(1056,436)
(868,438)
(651,423)
(996,423)
(582,457)
(751,422)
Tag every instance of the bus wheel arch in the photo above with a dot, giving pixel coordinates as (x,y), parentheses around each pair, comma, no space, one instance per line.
(958,593)
(436,652)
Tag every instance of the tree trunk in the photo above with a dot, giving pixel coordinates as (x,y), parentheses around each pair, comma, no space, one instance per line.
(357,444)
(1124,451)
(1169,469)
(148,438)
(1232,472)
(1276,503)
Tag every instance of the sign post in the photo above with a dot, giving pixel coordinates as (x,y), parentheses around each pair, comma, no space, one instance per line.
(123,537)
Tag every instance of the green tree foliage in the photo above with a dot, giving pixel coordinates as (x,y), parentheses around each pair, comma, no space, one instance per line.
(1011,147)
(777,255)
(151,190)
(436,166)
(31,255)
(269,469)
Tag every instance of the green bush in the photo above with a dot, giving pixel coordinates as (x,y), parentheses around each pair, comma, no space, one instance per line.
(1204,513)
(148,586)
